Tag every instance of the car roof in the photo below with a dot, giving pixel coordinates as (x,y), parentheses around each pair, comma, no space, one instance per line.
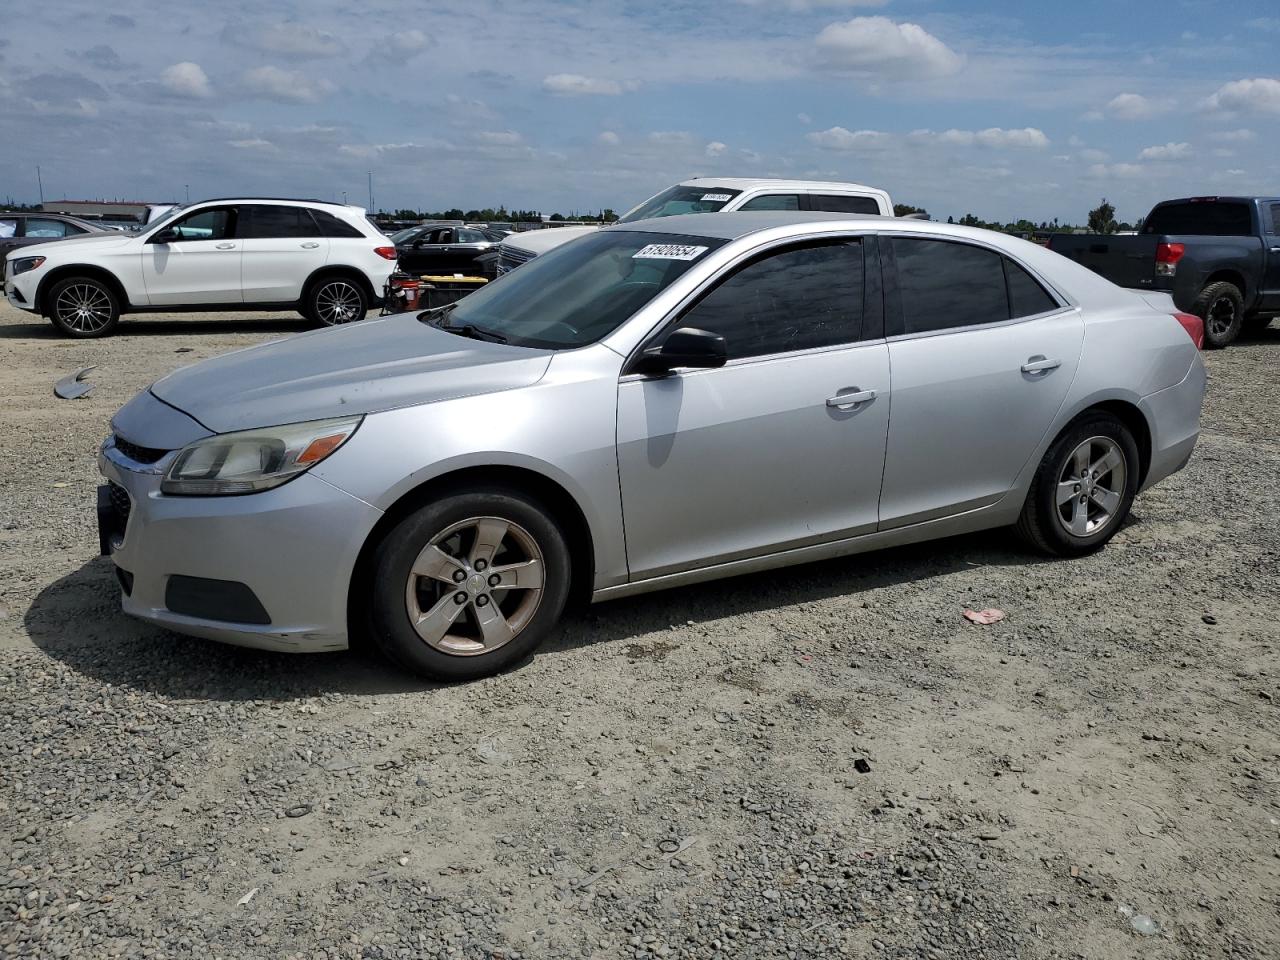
(749,183)
(323,203)
(731,226)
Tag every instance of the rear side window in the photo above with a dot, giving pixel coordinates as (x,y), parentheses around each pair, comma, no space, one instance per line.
(8,227)
(273,222)
(1275,218)
(331,226)
(1201,218)
(467,235)
(774,201)
(42,227)
(833,203)
(798,299)
(1026,296)
(945,285)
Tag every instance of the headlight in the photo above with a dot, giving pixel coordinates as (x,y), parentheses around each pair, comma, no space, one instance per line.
(22,266)
(254,460)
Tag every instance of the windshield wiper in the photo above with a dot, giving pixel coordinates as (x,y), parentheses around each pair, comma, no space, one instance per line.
(474,332)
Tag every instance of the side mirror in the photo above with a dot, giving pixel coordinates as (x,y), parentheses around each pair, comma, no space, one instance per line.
(166,236)
(685,347)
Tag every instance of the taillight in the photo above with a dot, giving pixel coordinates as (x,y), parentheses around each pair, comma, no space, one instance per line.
(1193,325)
(389,253)
(1167,257)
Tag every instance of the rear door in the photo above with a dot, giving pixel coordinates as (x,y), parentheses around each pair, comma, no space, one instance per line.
(982,357)
(200,264)
(282,247)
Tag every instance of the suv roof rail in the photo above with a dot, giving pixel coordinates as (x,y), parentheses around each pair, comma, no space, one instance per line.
(327,203)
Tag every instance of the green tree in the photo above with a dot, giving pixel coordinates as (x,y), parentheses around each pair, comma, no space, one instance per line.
(1102,219)
(902,209)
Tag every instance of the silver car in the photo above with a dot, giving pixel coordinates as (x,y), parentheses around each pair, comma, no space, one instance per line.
(656,404)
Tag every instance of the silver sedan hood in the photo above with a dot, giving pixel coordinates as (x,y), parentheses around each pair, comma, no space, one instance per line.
(361,368)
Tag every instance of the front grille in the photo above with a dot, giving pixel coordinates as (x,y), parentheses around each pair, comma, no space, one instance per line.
(511,257)
(121,506)
(136,453)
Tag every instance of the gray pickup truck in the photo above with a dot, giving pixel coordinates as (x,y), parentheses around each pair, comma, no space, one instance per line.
(1219,257)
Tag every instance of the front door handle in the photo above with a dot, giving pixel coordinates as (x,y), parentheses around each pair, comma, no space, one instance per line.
(310,245)
(225,246)
(851,399)
(1040,365)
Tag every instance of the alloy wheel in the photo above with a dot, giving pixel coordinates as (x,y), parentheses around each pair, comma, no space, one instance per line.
(338,302)
(475,586)
(1091,487)
(84,308)
(1222,314)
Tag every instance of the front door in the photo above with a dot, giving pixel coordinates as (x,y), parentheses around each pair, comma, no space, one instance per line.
(198,262)
(982,359)
(282,248)
(784,445)
(429,255)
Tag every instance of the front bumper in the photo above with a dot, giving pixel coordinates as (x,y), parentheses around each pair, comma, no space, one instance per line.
(292,549)
(20,291)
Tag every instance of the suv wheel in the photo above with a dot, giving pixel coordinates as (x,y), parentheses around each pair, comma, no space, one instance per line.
(1221,306)
(336,300)
(469,584)
(83,307)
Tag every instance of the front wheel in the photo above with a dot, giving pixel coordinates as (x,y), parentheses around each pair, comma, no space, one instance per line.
(83,307)
(469,584)
(1082,489)
(336,300)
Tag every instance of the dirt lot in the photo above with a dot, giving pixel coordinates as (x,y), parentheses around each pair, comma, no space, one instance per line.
(823,761)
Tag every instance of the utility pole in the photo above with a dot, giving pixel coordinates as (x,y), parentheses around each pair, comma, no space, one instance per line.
(187,187)
(40,181)
(371,210)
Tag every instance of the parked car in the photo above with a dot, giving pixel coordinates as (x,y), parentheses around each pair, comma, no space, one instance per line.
(660,403)
(325,260)
(24,229)
(706,195)
(437,249)
(1218,256)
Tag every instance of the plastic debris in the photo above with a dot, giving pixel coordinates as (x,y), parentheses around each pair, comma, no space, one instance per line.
(987,616)
(244,901)
(73,387)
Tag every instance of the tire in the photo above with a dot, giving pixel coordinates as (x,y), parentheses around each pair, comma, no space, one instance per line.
(1073,528)
(84,308)
(1221,307)
(414,573)
(332,301)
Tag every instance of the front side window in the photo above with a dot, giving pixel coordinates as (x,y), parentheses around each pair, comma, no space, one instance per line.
(51,229)
(439,236)
(8,227)
(798,299)
(271,222)
(214,224)
(681,199)
(835,203)
(579,292)
(945,285)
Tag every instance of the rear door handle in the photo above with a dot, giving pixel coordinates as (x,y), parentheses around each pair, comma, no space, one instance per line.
(226,246)
(1041,365)
(851,399)
(310,245)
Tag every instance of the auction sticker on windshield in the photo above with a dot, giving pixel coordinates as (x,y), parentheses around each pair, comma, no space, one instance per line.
(717,197)
(668,251)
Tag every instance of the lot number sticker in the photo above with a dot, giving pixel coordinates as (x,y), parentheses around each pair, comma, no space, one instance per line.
(717,197)
(668,251)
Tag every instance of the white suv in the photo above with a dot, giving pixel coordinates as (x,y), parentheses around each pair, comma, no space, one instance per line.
(326,260)
(713,195)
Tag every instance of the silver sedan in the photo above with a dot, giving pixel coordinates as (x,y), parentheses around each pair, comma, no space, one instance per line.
(650,405)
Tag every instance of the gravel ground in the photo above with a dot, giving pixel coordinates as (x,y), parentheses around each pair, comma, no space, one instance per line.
(822,761)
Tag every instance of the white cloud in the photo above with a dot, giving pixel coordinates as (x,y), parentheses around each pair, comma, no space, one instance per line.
(814,4)
(292,39)
(187,80)
(1236,136)
(408,41)
(838,138)
(804,118)
(255,143)
(1025,138)
(1259,95)
(291,86)
(1169,151)
(1116,171)
(576,85)
(609,138)
(1134,106)
(878,46)
(499,138)
(715,148)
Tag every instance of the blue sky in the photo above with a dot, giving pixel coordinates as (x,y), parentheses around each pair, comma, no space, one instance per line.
(1000,108)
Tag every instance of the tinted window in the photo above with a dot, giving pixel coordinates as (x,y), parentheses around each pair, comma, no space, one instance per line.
(439,236)
(1275,218)
(774,201)
(794,300)
(331,226)
(8,228)
(1026,296)
(205,225)
(467,235)
(946,285)
(837,204)
(272,222)
(1201,218)
(52,229)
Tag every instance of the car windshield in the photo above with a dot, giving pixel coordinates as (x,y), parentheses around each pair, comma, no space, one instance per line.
(681,199)
(579,292)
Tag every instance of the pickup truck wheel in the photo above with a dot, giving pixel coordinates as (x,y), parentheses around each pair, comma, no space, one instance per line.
(83,307)
(1221,306)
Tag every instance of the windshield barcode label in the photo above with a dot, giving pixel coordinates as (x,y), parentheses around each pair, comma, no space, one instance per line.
(668,251)
(717,197)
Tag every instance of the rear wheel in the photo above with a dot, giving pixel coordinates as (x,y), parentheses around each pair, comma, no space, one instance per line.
(83,307)
(1221,306)
(1083,488)
(469,584)
(336,300)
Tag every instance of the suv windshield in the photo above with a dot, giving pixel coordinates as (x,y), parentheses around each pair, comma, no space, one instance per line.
(579,292)
(681,199)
